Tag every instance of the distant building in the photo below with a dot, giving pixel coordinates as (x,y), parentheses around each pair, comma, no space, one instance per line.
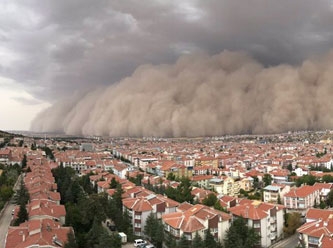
(87,147)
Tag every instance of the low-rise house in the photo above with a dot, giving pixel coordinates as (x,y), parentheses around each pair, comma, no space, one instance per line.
(45,209)
(314,214)
(196,219)
(317,234)
(37,233)
(280,175)
(324,190)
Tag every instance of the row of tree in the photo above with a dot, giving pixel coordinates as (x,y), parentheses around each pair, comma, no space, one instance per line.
(8,178)
(87,211)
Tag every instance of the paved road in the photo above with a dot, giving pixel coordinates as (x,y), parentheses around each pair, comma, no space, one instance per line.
(6,216)
(290,242)
(5,220)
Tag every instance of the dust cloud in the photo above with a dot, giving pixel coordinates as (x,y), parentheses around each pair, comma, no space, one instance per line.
(201,95)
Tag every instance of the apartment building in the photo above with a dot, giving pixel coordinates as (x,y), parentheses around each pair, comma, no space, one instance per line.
(302,198)
(266,219)
(140,207)
(197,219)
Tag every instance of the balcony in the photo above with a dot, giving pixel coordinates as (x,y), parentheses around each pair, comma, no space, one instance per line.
(273,228)
(272,235)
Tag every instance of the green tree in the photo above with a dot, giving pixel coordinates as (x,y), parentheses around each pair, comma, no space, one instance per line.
(106,240)
(154,230)
(126,226)
(267,179)
(113,183)
(183,242)
(327,178)
(306,179)
(171,176)
(22,215)
(209,241)
(71,242)
(94,234)
(24,161)
(330,198)
(210,200)
(183,191)
(293,221)
(6,192)
(322,205)
(170,242)
(240,235)
(117,196)
(197,241)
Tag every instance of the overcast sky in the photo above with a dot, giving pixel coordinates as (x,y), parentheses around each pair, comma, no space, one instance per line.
(50,50)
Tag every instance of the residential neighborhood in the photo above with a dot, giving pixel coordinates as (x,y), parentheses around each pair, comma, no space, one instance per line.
(194,189)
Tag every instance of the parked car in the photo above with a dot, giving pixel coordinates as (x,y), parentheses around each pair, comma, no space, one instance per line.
(139,242)
(146,246)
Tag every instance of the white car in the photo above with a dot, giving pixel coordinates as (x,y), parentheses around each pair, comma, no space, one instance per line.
(139,242)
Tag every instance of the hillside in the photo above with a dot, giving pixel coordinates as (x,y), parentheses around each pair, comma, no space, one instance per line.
(4,134)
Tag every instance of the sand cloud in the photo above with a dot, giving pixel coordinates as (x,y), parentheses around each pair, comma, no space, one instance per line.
(202,95)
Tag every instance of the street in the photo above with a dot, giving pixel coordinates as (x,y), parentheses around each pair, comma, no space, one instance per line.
(290,242)
(5,220)
(6,216)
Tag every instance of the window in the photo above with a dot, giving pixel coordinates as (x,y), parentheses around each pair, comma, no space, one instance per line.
(313,240)
(137,225)
(137,217)
(256,225)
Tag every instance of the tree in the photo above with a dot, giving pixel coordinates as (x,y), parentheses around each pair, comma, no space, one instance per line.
(210,200)
(183,191)
(183,242)
(154,230)
(71,242)
(322,205)
(24,161)
(306,179)
(171,176)
(150,225)
(330,198)
(22,215)
(94,234)
(209,241)
(240,235)
(113,183)
(197,241)
(290,167)
(293,221)
(170,242)
(256,183)
(126,226)
(267,179)
(117,196)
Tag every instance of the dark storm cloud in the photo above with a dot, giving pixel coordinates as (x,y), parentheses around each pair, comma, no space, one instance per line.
(67,46)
